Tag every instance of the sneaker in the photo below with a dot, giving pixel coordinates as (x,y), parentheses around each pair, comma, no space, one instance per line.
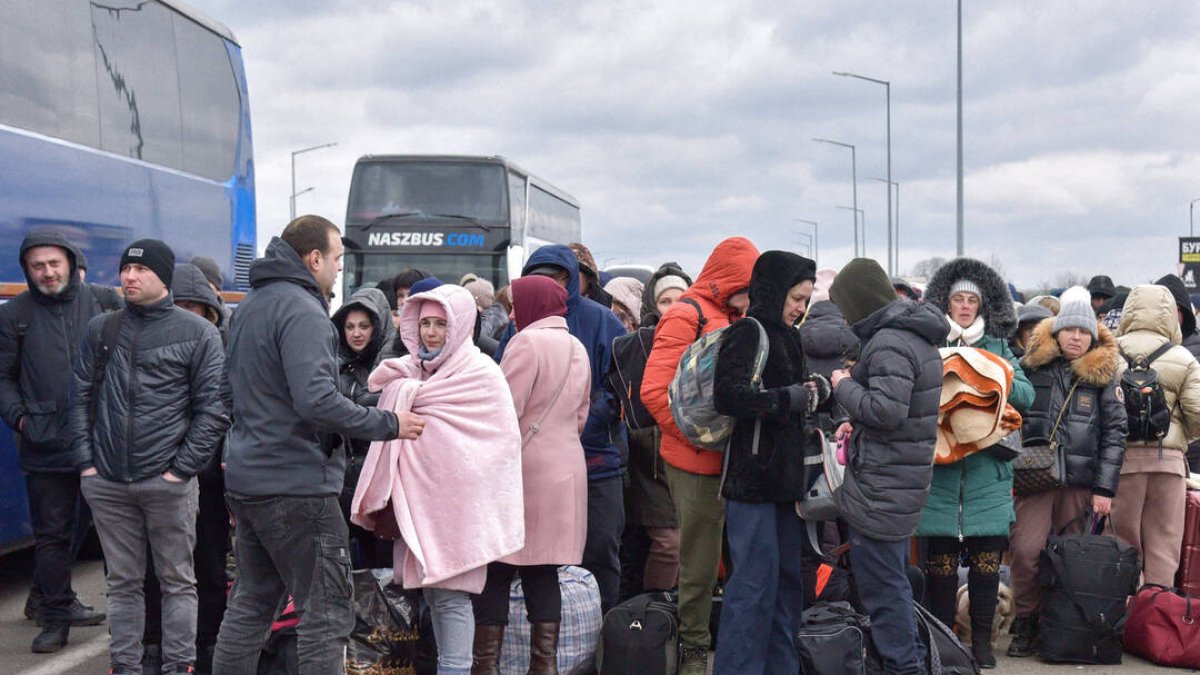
(50,640)
(81,615)
(693,661)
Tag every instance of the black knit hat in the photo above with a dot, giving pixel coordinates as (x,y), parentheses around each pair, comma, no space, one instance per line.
(860,289)
(153,254)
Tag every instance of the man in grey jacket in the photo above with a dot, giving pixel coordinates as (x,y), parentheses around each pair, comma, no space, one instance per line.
(891,396)
(145,417)
(284,472)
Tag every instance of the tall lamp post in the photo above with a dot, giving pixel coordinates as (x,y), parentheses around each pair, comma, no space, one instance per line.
(959,233)
(894,184)
(888,89)
(859,214)
(1192,217)
(816,240)
(292,206)
(854,181)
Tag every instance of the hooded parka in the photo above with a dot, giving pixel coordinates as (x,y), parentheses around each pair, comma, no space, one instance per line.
(892,398)
(726,273)
(973,497)
(39,340)
(354,367)
(774,471)
(1092,431)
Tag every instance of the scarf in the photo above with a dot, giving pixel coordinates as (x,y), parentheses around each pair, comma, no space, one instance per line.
(965,337)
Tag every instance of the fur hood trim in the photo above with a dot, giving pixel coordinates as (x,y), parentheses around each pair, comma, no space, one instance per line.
(1096,367)
(997,311)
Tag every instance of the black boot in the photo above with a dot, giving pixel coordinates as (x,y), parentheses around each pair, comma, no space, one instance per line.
(941,596)
(982,590)
(33,603)
(51,639)
(1024,632)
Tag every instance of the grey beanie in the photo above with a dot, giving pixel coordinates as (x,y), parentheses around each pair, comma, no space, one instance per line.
(966,286)
(1076,311)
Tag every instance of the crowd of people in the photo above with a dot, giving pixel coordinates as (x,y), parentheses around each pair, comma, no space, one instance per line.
(464,435)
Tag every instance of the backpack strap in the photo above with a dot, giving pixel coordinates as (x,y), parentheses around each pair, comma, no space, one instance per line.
(700,312)
(1163,349)
(1145,361)
(108,341)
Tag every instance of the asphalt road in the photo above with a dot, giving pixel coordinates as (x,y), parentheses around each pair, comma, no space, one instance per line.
(87,649)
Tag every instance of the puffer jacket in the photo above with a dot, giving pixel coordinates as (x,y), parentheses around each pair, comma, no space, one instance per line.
(892,398)
(282,376)
(1150,320)
(33,384)
(1092,431)
(355,367)
(159,406)
(828,340)
(726,272)
(774,470)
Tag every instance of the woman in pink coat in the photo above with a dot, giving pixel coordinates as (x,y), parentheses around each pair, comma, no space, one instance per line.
(548,372)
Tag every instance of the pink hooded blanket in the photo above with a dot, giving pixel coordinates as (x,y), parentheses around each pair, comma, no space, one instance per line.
(452,496)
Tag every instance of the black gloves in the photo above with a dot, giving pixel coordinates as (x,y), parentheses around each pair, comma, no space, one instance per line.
(801,399)
(824,388)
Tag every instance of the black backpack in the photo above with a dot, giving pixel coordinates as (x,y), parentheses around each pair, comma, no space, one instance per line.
(1145,402)
(640,637)
(1088,579)
(944,653)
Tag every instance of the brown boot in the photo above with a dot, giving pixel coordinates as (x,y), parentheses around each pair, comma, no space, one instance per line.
(486,653)
(543,649)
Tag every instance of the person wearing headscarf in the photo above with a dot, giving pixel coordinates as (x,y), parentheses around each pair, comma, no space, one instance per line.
(970,508)
(452,497)
(626,293)
(765,470)
(547,370)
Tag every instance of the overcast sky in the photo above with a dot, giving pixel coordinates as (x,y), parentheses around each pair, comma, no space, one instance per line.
(676,123)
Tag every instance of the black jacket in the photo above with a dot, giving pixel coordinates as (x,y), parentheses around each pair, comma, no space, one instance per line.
(354,368)
(35,381)
(775,471)
(892,399)
(282,376)
(829,344)
(159,406)
(1092,432)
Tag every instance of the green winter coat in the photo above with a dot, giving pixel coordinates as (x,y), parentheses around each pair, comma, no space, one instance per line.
(973,497)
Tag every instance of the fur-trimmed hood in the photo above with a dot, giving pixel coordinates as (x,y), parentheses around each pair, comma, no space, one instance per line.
(997,310)
(1097,366)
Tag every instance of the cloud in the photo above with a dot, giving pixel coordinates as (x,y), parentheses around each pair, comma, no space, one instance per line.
(678,123)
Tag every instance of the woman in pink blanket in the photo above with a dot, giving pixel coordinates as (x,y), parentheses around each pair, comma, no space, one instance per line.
(548,372)
(452,497)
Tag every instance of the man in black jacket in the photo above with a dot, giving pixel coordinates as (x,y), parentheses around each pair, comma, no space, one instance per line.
(145,418)
(283,474)
(40,331)
(891,396)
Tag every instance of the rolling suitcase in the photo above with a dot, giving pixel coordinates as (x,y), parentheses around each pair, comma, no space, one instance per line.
(1187,578)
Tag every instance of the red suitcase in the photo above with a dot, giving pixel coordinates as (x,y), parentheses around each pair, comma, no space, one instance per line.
(1188,576)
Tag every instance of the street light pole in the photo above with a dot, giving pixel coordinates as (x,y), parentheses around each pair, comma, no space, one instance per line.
(1192,217)
(959,238)
(816,240)
(294,193)
(893,184)
(888,88)
(859,213)
(854,181)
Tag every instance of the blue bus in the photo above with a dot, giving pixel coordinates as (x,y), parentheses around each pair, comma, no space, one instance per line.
(119,120)
(449,215)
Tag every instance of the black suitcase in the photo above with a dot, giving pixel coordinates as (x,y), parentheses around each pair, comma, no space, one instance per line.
(1088,579)
(640,637)
(836,640)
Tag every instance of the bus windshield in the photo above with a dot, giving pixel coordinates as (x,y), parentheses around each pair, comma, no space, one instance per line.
(469,189)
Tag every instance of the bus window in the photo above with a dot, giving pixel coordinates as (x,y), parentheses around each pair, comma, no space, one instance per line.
(473,190)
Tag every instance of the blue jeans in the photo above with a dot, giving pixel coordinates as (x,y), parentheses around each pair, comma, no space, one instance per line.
(453,628)
(760,615)
(880,574)
(296,545)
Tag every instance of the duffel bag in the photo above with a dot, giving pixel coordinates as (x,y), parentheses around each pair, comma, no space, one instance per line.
(579,628)
(1162,627)
(944,653)
(1088,579)
(835,640)
(640,637)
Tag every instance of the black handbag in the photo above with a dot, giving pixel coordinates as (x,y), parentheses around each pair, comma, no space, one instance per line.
(1008,448)
(1041,468)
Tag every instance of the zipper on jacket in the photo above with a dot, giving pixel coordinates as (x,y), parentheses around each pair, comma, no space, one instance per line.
(137,331)
(962,484)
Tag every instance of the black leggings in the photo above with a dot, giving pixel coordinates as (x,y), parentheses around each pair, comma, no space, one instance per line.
(543,601)
(982,556)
